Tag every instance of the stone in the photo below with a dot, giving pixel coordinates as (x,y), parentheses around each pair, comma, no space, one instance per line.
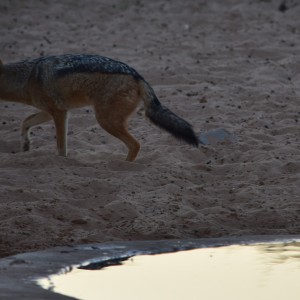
(217,136)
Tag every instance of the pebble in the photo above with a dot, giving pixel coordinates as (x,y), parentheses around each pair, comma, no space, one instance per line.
(217,136)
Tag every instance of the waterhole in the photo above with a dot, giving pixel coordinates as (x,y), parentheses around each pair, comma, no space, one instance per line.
(236,272)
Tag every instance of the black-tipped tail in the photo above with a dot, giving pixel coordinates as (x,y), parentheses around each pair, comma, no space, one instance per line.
(167,120)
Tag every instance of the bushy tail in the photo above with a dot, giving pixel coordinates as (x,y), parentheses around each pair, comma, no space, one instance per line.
(165,119)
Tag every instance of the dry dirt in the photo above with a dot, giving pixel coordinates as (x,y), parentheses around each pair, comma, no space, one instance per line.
(219,64)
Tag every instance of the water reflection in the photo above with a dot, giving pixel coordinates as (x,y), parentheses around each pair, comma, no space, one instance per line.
(281,252)
(264,271)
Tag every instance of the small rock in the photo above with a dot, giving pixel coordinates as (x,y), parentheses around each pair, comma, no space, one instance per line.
(203,100)
(218,136)
(18,262)
(282,7)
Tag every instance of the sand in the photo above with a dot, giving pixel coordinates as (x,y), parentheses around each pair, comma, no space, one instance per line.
(219,64)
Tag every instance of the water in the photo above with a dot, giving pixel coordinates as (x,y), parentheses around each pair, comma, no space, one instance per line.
(260,271)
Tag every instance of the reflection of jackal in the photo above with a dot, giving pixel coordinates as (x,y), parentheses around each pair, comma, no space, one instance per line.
(56,84)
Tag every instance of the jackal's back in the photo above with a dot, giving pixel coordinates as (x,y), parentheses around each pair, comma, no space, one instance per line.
(63,65)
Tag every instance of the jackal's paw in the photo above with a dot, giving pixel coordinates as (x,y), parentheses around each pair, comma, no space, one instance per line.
(25,145)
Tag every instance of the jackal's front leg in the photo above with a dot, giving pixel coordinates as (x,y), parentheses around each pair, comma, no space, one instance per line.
(61,125)
(33,120)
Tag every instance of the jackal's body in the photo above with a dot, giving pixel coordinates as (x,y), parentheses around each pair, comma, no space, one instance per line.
(55,84)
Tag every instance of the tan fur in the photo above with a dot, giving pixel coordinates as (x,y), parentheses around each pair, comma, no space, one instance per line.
(113,95)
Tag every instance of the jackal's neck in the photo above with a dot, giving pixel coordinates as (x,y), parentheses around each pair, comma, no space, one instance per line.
(14,82)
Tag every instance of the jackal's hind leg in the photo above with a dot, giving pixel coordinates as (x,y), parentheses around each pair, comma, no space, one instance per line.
(61,126)
(33,120)
(114,121)
(120,131)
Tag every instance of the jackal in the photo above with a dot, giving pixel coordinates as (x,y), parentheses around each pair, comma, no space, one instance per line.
(56,84)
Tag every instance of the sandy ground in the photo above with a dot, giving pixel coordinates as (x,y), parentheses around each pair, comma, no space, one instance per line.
(219,64)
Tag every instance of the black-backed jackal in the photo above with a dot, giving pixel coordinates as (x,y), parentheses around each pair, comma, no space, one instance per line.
(55,84)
